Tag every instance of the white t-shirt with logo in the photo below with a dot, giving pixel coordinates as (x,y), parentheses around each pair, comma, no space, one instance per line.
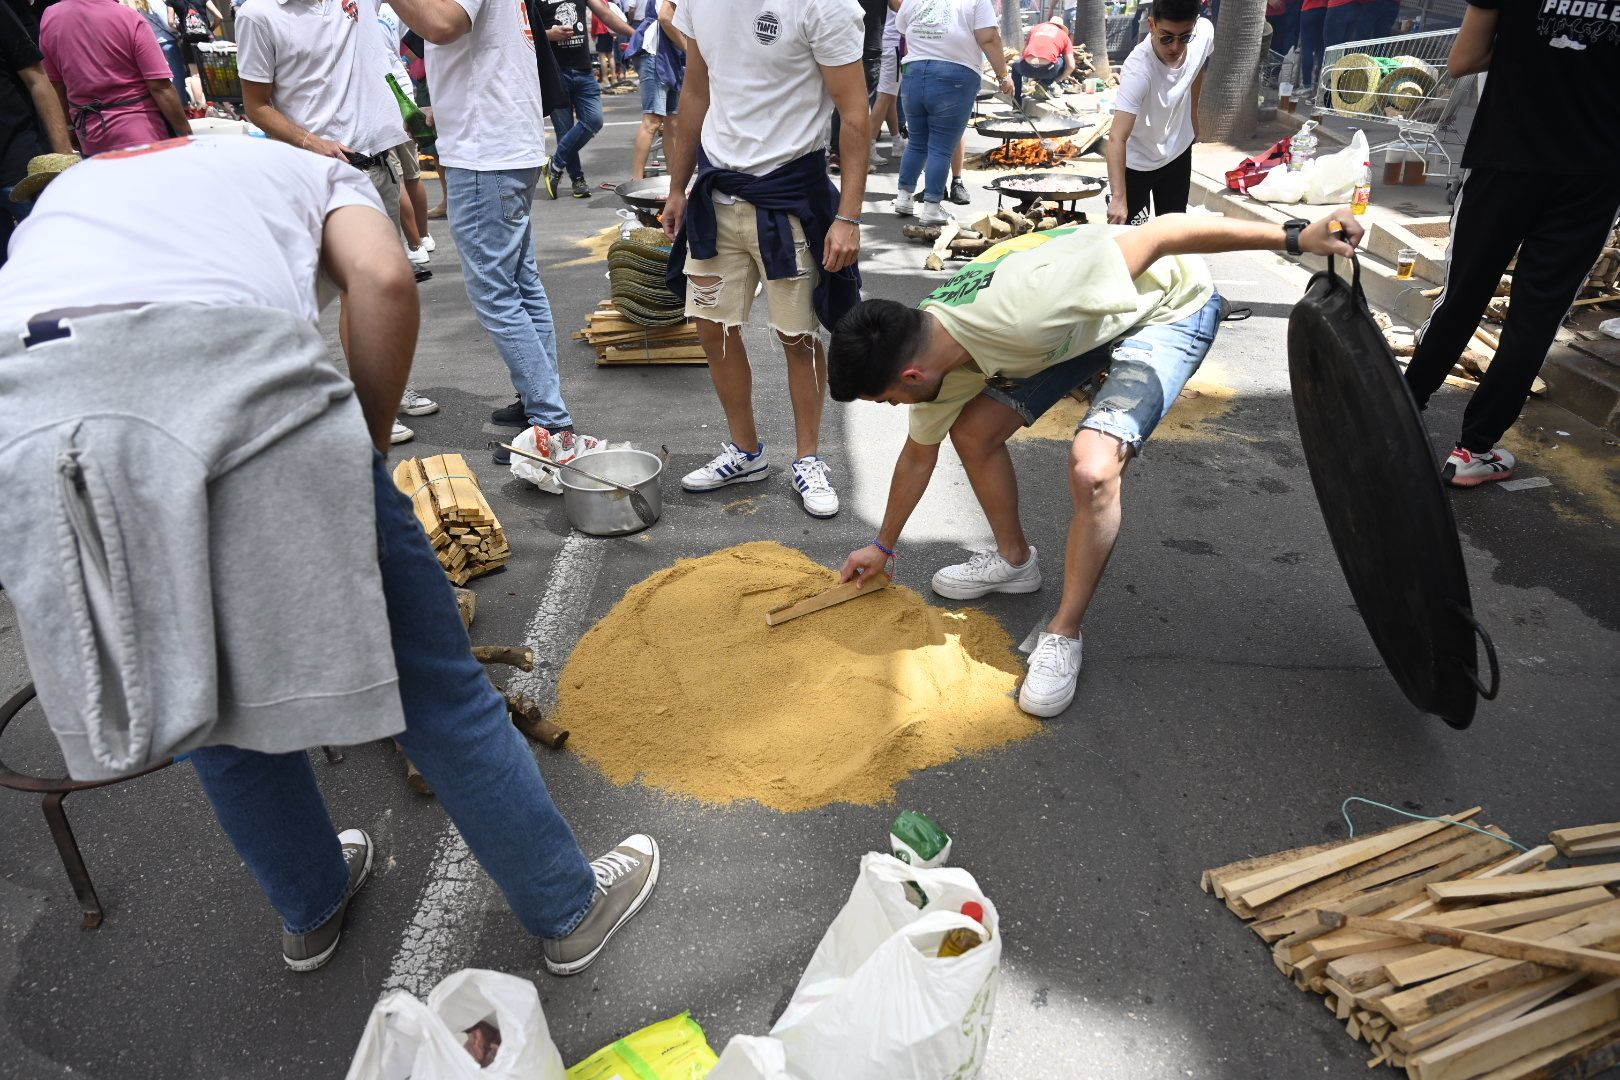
(944,30)
(486,91)
(767,102)
(1160,97)
(92,237)
(325,62)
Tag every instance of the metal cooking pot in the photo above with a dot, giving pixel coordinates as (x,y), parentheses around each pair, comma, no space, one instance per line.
(646,197)
(601,511)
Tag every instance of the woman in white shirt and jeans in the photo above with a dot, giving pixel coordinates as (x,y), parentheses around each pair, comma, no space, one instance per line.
(945,41)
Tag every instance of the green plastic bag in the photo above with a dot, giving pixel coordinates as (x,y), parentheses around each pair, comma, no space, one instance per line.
(673,1049)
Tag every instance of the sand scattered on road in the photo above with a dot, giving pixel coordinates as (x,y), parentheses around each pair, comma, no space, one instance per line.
(684,688)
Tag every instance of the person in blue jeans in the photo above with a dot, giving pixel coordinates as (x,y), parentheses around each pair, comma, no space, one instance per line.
(1312,24)
(945,43)
(297,216)
(1342,22)
(1004,340)
(567,27)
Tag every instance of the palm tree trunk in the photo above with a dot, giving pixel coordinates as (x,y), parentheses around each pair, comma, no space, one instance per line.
(1092,32)
(1012,25)
(1230,104)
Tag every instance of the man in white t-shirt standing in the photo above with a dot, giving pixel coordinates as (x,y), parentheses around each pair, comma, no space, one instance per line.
(759,95)
(1156,114)
(485,85)
(314,75)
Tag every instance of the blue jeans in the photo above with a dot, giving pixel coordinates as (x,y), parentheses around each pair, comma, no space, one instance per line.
(939,100)
(577,123)
(1378,19)
(1147,369)
(1284,31)
(456,731)
(489,218)
(1342,24)
(1311,22)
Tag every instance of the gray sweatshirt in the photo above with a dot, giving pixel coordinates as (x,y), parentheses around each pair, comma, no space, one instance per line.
(190,537)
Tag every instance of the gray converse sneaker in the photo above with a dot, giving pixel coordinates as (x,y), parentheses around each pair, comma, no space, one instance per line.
(988,572)
(414,404)
(625,877)
(306,952)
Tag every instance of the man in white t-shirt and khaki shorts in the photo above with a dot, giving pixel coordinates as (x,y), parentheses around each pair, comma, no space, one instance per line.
(1156,114)
(759,95)
(314,75)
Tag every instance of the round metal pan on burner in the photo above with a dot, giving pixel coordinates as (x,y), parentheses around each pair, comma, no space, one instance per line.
(1045,128)
(1063,186)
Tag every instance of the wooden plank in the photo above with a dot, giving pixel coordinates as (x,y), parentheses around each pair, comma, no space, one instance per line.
(1213,880)
(838,594)
(1561,837)
(1503,1042)
(1350,855)
(1583,1055)
(1549,924)
(1502,1006)
(1367,969)
(1591,961)
(1492,977)
(1593,847)
(1488,917)
(1510,886)
(1315,856)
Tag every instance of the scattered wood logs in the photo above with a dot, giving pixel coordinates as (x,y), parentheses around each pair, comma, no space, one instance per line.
(1452,954)
(618,340)
(464,531)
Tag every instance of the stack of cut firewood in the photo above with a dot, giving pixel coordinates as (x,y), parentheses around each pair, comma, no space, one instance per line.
(1450,952)
(466,535)
(1475,361)
(618,340)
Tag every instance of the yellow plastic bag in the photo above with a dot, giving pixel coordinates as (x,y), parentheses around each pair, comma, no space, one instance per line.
(673,1049)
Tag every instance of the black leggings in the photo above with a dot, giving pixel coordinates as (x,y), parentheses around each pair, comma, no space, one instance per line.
(1558,225)
(1168,185)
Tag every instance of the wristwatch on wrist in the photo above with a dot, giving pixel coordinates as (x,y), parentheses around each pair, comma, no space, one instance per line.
(1292,228)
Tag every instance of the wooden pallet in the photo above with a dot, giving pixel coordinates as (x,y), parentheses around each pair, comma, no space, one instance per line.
(618,340)
(1451,954)
(466,536)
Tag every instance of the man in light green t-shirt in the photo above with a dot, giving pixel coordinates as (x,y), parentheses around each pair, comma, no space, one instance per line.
(1004,339)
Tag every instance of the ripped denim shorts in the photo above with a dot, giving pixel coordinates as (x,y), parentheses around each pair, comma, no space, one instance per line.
(1146,370)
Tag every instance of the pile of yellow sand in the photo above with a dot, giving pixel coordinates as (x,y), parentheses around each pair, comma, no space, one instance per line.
(683,687)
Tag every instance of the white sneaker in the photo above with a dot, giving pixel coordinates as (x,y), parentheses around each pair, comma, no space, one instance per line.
(414,404)
(400,434)
(905,204)
(732,466)
(417,255)
(429,245)
(987,572)
(810,478)
(932,214)
(1464,469)
(1054,670)
(897,146)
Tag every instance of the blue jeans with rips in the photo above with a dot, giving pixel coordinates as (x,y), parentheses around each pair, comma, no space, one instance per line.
(939,99)
(576,123)
(489,218)
(456,731)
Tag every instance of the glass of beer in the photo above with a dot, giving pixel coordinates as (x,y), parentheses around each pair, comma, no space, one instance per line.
(1405,263)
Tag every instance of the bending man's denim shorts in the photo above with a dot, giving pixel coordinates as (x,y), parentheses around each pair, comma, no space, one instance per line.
(1146,370)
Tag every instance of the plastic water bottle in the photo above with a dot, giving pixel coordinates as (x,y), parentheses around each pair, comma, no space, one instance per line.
(1302,147)
(1363,192)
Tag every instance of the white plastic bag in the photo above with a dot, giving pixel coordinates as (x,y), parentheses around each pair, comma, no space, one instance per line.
(541,476)
(1333,178)
(408,1039)
(1330,179)
(875,1001)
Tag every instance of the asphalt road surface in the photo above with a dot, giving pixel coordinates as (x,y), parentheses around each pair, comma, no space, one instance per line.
(1231,699)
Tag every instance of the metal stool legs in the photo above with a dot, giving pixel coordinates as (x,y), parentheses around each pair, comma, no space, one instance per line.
(72,860)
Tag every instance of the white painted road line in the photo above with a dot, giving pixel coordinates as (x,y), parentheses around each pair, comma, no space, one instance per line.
(450,910)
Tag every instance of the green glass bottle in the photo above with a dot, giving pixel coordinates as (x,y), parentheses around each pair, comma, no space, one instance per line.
(416,121)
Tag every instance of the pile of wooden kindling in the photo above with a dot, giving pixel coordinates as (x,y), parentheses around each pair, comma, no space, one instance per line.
(466,535)
(1475,361)
(1451,953)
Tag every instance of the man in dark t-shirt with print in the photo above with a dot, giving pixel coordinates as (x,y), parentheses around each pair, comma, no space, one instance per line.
(31,118)
(1543,180)
(567,26)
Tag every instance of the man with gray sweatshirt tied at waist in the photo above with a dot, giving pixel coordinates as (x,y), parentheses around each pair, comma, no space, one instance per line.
(171,441)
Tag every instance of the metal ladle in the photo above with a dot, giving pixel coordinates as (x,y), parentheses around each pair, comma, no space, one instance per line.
(638,501)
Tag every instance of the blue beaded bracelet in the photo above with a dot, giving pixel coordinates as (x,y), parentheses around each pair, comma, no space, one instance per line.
(879,545)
